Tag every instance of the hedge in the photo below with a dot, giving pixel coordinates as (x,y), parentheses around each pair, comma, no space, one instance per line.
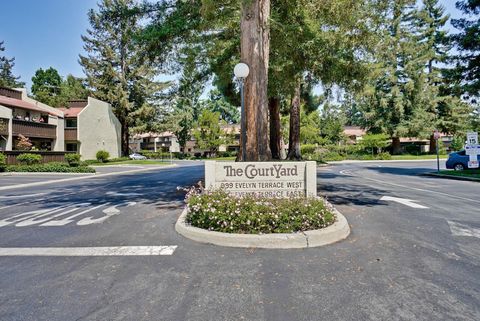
(53,167)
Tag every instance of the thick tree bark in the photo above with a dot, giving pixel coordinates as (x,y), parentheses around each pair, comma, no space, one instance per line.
(275,126)
(396,147)
(255,46)
(294,135)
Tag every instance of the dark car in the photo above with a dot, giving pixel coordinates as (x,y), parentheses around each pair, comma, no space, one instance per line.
(458,160)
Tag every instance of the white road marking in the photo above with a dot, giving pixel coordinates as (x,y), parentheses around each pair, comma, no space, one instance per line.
(69,219)
(112,210)
(458,229)
(55,216)
(89,251)
(35,219)
(403,201)
(21,196)
(123,194)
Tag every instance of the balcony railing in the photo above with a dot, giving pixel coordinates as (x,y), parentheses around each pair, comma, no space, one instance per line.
(33,129)
(71,134)
(3,126)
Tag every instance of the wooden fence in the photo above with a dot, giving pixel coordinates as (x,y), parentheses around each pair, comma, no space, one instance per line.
(47,157)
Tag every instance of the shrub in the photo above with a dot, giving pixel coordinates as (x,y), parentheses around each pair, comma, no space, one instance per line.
(54,167)
(219,211)
(3,162)
(118,159)
(73,159)
(23,143)
(102,156)
(307,149)
(384,156)
(29,159)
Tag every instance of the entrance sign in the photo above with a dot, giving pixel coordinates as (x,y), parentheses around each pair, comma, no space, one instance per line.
(265,179)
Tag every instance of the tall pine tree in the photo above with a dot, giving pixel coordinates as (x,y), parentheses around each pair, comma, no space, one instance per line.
(117,66)
(7,78)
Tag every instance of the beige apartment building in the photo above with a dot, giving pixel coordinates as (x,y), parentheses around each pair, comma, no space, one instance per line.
(86,127)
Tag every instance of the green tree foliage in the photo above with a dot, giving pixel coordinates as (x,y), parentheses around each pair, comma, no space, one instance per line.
(326,42)
(49,88)
(73,88)
(468,43)
(375,142)
(217,102)
(46,86)
(208,132)
(117,67)
(399,99)
(7,79)
(332,122)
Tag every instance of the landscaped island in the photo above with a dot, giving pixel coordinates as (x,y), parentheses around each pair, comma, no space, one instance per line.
(219,211)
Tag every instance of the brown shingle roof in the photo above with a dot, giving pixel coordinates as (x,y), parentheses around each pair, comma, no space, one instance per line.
(72,111)
(17,103)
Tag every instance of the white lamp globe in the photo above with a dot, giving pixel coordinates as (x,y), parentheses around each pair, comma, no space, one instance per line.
(241,70)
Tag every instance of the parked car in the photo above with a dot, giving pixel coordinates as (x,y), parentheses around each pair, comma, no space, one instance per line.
(136,156)
(459,160)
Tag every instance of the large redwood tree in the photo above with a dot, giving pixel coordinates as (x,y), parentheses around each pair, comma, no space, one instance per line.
(255,50)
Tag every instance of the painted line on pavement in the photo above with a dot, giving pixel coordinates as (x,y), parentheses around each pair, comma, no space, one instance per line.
(404,201)
(458,229)
(83,177)
(89,251)
(21,196)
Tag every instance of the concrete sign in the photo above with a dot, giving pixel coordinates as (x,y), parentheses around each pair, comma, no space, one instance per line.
(268,179)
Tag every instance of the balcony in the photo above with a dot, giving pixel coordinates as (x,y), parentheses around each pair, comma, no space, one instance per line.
(33,130)
(3,126)
(71,134)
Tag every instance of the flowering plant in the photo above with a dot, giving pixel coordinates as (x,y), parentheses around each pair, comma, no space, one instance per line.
(217,210)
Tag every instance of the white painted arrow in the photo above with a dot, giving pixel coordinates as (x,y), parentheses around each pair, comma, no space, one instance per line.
(403,201)
(463,230)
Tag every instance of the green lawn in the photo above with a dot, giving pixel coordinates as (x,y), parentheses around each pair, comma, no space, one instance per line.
(475,173)
(413,157)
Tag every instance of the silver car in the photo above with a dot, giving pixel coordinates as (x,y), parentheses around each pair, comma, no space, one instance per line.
(136,156)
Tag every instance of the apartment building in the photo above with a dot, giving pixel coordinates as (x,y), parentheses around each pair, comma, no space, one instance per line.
(86,127)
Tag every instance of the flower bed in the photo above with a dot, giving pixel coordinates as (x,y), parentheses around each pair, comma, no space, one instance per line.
(221,212)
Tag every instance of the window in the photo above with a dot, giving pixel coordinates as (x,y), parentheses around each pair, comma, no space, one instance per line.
(72,147)
(71,123)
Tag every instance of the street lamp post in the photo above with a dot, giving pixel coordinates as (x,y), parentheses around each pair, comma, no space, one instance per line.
(241,72)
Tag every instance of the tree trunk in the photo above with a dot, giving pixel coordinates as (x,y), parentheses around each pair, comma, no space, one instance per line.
(294,135)
(433,145)
(255,47)
(125,139)
(396,147)
(275,134)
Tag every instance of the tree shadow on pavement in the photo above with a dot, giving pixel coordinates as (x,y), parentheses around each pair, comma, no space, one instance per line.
(351,194)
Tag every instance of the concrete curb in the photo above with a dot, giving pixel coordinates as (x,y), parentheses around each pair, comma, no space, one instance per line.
(456,178)
(4,188)
(336,232)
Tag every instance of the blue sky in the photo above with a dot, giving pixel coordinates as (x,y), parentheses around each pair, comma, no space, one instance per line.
(44,33)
